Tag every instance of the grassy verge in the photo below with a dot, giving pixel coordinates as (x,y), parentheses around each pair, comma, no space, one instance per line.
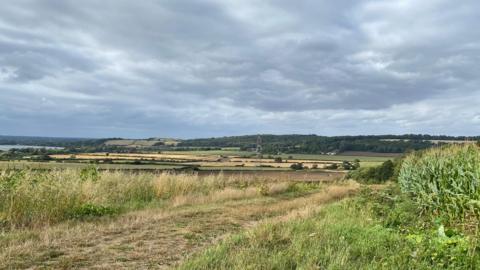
(377,230)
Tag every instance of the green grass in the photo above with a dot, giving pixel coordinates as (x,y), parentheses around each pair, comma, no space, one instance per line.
(335,157)
(367,232)
(369,164)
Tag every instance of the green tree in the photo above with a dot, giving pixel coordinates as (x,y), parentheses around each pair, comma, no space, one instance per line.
(356,163)
(297,166)
(385,171)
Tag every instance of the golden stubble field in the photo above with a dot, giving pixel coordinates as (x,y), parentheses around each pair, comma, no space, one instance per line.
(203,160)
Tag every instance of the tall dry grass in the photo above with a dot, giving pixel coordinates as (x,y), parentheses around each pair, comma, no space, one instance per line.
(30,198)
(33,198)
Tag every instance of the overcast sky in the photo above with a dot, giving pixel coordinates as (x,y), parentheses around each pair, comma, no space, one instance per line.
(118,68)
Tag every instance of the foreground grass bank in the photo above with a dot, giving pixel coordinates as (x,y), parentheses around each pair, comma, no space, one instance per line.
(34,199)
(166,230)
(376,230)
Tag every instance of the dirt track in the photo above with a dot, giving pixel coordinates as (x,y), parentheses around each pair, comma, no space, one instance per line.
(155,239)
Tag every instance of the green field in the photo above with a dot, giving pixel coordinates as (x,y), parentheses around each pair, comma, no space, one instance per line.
(335,157)
(224,168)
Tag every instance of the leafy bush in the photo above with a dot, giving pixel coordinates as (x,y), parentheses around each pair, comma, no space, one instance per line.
(429,239)
(378,174)
(297,166)
(92,210)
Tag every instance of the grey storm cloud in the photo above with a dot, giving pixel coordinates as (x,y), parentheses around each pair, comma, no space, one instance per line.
(209,68)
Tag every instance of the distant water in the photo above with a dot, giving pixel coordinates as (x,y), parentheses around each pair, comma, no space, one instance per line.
(8,147)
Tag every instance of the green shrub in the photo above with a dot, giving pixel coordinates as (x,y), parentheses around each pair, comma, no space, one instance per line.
(297,166)
(92,210)
(429,240)
(378,174)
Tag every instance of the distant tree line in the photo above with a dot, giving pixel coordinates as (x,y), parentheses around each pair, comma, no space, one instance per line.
(51,141)
(313,144)
(271,145)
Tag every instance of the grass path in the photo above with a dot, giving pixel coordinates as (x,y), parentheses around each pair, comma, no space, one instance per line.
(153,238)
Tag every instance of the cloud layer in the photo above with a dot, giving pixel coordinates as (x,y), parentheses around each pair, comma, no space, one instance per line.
(210,68)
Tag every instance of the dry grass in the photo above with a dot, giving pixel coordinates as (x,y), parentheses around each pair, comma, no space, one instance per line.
(35,199)
(153,238)
(305,206)
(217,196)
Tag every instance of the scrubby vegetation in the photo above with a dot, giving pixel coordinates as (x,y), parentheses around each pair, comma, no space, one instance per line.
(376,230)
(388,170)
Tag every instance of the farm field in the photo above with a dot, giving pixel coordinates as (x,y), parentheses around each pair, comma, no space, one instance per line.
(58,165)
(227,159)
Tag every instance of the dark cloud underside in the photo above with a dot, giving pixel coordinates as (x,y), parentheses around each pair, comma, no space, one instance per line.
(209,68)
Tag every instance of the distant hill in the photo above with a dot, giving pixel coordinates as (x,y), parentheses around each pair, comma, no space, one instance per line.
(314,144)
(151,142)
(89,144)
(271,144)
(49,141)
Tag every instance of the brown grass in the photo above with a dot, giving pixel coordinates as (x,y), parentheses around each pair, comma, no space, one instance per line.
(217,196)
(157,238)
